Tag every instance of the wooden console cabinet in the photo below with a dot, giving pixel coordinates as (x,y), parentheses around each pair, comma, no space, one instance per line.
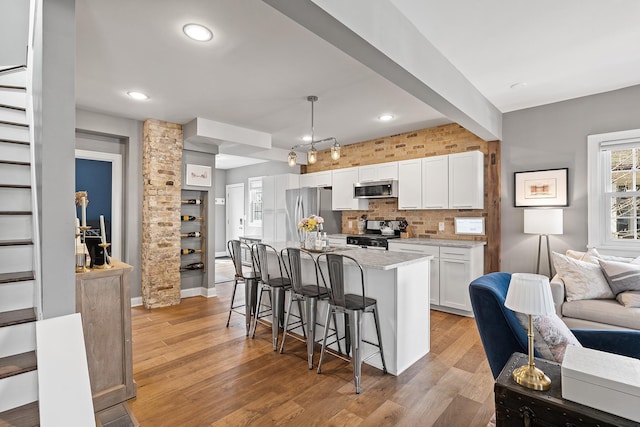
(103,298)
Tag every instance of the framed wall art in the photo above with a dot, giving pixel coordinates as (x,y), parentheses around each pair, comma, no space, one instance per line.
(541,188)
(198,175)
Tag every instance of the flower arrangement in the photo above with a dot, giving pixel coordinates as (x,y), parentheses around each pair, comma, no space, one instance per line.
(311,223)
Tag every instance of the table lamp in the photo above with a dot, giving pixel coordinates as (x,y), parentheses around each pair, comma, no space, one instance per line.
(530,294)
(543,222)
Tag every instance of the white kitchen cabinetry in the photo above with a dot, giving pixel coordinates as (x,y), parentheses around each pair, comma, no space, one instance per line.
(378,172)
(435,182)
(452,269)
(409,188)
(466,180)
(342,194)
(316,179)
(434,278)
(274,206)
(458,268)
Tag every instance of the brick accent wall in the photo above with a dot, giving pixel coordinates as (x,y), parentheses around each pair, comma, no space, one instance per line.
(445,139)
(162,181)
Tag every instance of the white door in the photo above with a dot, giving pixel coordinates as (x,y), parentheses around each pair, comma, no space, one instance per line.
(235,211)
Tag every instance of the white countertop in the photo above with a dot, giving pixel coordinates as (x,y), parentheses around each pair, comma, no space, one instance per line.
(369,258)
(440,242)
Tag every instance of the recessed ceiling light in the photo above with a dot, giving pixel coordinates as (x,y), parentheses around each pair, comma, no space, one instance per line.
(386,117)
(198,32)
(306,138)
(518,85)
(137,95)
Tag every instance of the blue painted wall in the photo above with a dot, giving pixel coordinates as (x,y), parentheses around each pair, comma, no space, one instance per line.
(94,176)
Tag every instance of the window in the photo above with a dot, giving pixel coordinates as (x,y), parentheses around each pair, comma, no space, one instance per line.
(255,202)
(614,191)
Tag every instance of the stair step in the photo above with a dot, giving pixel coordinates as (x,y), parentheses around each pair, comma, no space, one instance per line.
(17,339)
(16,242)
(12,174)
(11,162)
(17,257)
(23,416)
(15,199)
(18,390)
(16,317)
(15,295)
(15,152)
(12,141)
(15,212)
(12,87)
(13,227)
(13,107)
(7,123)
(15,186)
(20,276)
(18,364)
(13,69)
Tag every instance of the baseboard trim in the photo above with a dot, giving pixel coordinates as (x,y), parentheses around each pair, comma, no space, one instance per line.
(184,293)
(221,254)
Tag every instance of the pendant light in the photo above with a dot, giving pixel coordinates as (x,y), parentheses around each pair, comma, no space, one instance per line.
(312,154)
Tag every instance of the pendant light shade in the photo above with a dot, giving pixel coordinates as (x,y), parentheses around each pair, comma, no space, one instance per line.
(335,151)
(293,157)
(312,154)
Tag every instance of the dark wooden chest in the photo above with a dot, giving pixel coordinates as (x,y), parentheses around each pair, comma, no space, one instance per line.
(520,406)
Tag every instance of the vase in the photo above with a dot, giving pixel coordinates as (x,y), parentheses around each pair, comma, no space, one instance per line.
(309,241)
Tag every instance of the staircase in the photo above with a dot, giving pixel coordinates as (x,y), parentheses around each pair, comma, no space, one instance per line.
(19,293)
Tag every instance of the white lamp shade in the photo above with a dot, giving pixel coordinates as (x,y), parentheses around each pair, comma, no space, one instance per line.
(543,221)
(530,294)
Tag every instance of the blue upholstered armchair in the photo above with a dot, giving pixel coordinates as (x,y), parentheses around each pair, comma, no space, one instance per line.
(502,335)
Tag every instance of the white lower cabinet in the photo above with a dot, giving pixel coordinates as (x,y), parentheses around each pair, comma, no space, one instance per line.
(452,269)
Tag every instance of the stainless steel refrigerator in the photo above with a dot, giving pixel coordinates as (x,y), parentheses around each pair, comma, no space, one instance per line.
(303,202)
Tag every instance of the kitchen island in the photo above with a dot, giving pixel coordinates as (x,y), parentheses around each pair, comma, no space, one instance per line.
(400,283)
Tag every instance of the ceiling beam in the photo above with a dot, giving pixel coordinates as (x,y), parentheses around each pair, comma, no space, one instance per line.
(379,36)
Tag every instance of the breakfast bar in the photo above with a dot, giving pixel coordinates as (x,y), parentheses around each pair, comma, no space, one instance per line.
(400,283)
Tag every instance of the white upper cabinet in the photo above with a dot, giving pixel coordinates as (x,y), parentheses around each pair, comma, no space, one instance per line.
(435,182)
(342,194)
(378,172)
(316,179)
(409,188)
(466,180)
(282,183)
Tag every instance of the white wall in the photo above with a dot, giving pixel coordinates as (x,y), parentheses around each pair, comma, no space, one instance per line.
(555,136)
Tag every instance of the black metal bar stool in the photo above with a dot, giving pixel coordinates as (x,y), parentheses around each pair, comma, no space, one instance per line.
(274,285)
(250,279)
(353,305)
(300,291)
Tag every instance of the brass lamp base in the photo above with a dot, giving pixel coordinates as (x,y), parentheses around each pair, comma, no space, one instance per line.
(531,377)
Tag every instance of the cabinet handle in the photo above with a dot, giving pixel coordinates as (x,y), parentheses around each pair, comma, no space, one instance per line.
(408,207)
(434,207)
(463,206)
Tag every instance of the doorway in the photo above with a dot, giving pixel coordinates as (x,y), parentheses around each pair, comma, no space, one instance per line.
(235,211)
(100,174)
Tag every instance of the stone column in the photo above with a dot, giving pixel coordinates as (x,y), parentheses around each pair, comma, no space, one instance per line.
(162,181)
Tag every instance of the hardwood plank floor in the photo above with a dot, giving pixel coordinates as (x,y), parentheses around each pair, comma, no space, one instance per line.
(191,370)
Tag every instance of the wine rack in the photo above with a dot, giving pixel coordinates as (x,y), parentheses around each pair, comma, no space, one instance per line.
(193,229)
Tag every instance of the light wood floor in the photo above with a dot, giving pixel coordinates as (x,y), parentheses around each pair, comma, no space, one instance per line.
(193,371)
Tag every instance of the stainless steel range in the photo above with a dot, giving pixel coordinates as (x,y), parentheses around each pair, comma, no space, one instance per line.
(376,235)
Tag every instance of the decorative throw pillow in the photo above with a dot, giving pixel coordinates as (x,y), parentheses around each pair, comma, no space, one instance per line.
(622,276)
(551,336)
(629,299)
(581,256)
(582,280)
(593,252)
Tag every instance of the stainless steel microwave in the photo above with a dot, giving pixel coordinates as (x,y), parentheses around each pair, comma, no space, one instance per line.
(375,189)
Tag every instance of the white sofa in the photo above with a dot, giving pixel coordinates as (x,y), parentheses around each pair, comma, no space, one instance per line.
(593,313)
